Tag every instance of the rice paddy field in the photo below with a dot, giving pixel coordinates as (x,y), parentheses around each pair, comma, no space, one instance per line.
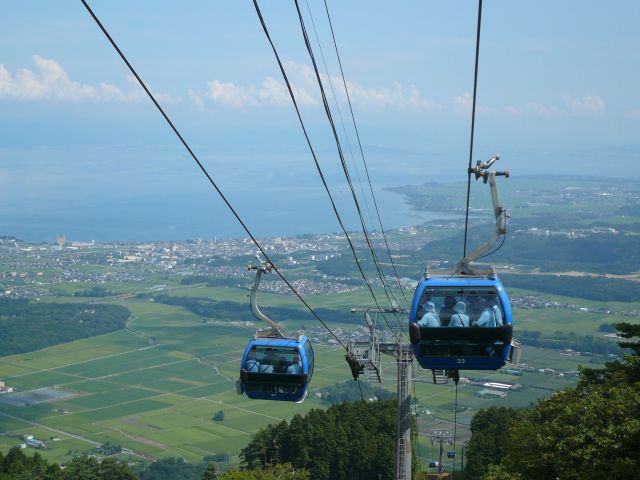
(154,387)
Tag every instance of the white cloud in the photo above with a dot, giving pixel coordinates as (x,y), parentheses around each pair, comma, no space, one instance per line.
(305,88)
(50,82)
(397,96)
(227,93)
(463,104)
(634,113)
(275,93)
(590,104)
(301,73)
(197,100)
(533,109)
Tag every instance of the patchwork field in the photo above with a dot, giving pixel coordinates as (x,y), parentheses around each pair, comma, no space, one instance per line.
(154,387)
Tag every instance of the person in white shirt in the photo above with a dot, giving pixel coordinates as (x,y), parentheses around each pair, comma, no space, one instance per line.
(252,365)
(296,367)
(430,317)
(459,318)
(491,317)
(267,363)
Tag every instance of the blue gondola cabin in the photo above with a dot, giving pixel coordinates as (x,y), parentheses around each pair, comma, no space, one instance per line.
(461,322)
(276,368)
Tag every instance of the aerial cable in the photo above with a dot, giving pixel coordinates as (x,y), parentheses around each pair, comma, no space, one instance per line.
(346,89)
(381,275)
(313,154)
(335,98)
(337,105)
(206,173)
(473,122)
(308,140)
(325,102)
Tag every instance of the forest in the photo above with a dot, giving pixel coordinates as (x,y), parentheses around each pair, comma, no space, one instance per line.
(16,465)
(346,441)
(587,432)
(351,391)
(599,289)
(22,323)
(571,340)
(617,254)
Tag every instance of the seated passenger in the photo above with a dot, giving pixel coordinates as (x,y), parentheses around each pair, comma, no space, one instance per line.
(424,299)
(267,362)
(430,317)
(296,367)
(281,365)
(252,365)
(459,318)
(447,310)
(491,316)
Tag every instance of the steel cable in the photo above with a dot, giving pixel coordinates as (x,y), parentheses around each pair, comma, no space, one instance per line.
(205,172)
(313,154)
(473,123)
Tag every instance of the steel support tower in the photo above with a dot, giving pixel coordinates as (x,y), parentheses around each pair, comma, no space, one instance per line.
(403,438)
(364,358)
(441,437)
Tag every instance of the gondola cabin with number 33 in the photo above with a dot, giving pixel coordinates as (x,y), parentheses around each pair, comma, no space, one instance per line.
(463,321)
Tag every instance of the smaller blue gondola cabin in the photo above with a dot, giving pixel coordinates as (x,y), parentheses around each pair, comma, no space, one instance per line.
(461,322)
(275,368)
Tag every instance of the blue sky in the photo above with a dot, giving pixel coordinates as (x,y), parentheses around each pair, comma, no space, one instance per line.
(558,90)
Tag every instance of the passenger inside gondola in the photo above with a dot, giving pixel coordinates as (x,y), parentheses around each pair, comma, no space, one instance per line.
(252,364)
(460,308)
(459,317)
(267,362)
(273,360)
(430,317)
(447,310)
(277,361)
(491,316)
(296,367)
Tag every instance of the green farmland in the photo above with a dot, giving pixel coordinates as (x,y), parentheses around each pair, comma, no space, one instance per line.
(154,387)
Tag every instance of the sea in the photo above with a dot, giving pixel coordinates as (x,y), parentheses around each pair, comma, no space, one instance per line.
(129,194)
(266,213)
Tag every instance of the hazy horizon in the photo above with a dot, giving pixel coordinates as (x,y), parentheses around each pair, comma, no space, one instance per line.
(557,94)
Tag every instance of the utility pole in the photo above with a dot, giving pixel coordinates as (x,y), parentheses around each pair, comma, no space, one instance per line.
(364,357)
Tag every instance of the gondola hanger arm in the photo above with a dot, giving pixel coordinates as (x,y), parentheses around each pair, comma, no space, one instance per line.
(483,170)
(260,269)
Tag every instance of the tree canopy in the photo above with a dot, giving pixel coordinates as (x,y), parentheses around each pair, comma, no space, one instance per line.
(17,465)
(346,441)
(22,323)
(588,432)
(277,472)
